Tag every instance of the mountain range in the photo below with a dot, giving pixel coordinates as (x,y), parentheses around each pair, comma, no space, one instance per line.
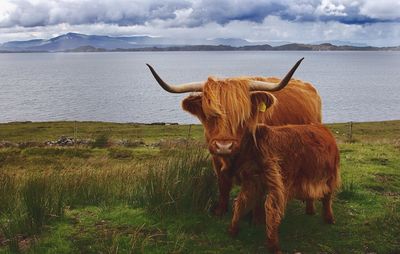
(74,42)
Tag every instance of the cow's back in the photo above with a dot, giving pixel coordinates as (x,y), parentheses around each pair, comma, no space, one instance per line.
(309,158)
(298,103)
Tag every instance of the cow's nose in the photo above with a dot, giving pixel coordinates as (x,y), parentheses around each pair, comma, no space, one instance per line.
(223,147)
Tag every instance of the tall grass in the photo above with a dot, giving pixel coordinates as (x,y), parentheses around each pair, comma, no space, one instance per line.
(42,199)
(8,189)
(94,187)
(12,227)
(349,189)
(29,201)
(183,183)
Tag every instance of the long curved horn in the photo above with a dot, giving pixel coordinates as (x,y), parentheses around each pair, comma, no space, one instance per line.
(183,88)
(271,87)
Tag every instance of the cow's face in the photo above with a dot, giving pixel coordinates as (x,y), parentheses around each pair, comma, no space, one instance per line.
(228,111)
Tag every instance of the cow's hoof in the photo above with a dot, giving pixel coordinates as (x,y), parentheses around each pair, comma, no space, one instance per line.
(329,220)
(273,246)
(233,231)
(275,250)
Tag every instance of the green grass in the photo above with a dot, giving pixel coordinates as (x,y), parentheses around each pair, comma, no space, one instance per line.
(142,198)
(44,131)
(178,185)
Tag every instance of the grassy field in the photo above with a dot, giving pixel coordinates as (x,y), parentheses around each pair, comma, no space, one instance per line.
(129,188)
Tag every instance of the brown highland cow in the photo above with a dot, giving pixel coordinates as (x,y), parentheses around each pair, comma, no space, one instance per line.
(295,161)
(298,103)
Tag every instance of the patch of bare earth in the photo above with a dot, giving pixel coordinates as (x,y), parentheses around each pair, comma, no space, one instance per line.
(3,240)
(387,179)
(24,242)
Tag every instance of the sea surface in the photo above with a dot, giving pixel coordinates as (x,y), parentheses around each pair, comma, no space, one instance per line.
(118,87)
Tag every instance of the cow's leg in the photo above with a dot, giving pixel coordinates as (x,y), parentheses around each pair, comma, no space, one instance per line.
(273,220)
(258,214)
(310,208)
(327,209)
(243,204)
(224,185)
(275,203)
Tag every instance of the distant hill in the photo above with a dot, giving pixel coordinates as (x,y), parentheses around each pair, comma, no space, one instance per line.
(67,42)
(323,47)
(234,42)
(341,43)
(74,42)
(86,49)
(70,41)
(266,47)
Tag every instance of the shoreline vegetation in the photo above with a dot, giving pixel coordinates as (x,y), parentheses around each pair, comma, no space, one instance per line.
(101,187)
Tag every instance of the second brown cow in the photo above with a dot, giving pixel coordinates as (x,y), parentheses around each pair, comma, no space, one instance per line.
(285,162)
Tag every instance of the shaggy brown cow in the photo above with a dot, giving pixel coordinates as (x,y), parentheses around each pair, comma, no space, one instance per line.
(293,161)
(215,106)
(290,161)
(299,103)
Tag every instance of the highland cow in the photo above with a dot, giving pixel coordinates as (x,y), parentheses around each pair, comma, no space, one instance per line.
(285,162)
(295,161)
(223,104)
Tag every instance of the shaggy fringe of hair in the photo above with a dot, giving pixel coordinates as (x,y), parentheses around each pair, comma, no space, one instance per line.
(228,99)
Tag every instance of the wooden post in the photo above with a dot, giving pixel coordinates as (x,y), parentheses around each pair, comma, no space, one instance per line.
(188,137)
(75,133)
(351,132)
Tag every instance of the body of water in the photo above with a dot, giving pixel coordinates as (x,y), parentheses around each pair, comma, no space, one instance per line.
(118,87)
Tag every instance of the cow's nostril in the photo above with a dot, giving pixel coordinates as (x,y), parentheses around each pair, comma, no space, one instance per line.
(224,146)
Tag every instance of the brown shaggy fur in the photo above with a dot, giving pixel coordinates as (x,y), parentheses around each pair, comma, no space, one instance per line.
(232,107)
(298,103)
(225,106)
(293,161)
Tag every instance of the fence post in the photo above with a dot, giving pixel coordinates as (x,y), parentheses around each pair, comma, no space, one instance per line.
(75,133)
(188,136)
(350,137)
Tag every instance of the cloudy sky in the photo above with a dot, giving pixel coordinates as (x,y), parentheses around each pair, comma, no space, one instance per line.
(374,22)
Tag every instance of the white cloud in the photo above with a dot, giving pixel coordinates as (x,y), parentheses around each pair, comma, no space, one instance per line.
(381,9)
(368,21)
(331,8)
(30,13)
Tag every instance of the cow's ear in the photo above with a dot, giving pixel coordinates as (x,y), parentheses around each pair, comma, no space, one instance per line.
(192,104)
(262,101)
